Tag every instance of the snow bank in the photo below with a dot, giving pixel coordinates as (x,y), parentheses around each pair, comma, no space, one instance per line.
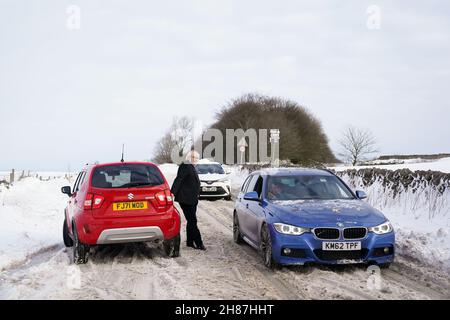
(31,215)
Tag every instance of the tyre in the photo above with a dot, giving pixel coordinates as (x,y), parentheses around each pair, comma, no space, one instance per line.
(80,250)
(266,248)
(68,242)
(228,198)
(172,247)
(237,237)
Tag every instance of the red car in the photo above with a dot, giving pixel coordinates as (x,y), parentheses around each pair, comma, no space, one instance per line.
(119,203)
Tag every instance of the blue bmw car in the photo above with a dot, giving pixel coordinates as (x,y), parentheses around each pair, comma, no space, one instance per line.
(302,216)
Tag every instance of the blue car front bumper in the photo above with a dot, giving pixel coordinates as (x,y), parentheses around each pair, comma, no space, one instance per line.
(306,248)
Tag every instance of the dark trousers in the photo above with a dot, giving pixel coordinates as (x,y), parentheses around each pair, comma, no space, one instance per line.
(193,235)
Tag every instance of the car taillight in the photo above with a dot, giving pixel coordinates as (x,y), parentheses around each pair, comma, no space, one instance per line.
(161,198)
(164,198)
(169,197)
(88,201)
(93,201)
(98,201)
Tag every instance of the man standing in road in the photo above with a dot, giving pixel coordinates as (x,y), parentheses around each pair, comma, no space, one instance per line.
(186,188)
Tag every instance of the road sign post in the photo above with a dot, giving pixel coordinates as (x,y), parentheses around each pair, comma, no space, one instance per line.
(242,145)
(275,147)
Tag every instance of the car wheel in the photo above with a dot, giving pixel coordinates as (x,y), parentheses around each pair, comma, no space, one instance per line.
(266,248)
(80,250)
(228,198)
(68,242)
(172,247)
(237,237)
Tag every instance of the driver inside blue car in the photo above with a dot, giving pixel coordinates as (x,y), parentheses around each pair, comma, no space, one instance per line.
(275,191)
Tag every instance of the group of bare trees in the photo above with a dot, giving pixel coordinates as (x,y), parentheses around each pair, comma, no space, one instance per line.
(177,137)
(303,140)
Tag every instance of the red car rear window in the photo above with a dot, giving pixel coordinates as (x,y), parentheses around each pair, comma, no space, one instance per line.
(126,176)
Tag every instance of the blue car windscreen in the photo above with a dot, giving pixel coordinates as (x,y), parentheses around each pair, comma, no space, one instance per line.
(307,187)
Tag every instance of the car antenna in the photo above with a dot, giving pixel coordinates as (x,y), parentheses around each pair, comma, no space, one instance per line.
(123,148)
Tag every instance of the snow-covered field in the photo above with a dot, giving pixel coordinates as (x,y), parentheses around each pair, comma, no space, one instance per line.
(34,263)
(442,165)
(5,175)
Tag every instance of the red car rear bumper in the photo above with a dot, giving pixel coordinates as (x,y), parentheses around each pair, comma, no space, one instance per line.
(90,229)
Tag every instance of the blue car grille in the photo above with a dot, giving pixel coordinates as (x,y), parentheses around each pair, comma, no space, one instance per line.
(355,233)
(341,255)
(327,233)
(334,233)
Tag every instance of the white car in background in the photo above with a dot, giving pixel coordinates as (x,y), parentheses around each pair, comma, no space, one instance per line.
(215,181)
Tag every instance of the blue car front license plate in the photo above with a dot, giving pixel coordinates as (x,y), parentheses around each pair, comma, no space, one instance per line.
(341,246)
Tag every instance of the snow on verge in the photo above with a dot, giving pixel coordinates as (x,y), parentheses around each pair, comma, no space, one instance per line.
(31,218)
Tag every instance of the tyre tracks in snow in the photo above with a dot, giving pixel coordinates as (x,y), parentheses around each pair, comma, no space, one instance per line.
(137,271)
(434,283)
(225,270)
(130,271)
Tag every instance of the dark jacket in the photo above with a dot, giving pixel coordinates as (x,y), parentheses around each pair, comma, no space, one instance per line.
(186,186)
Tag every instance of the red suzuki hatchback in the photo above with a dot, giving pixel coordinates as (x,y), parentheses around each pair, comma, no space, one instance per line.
(119,203)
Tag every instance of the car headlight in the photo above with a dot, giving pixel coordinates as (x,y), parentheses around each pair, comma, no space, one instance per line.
(382,228)
(288,229)
(226,179)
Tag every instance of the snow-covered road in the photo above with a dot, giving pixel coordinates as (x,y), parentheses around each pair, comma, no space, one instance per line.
(225,271)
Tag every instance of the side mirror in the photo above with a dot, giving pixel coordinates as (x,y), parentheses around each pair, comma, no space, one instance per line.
(66,190)
(361,194)
(251,196)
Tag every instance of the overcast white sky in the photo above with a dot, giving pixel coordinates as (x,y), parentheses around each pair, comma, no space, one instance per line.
(72,96)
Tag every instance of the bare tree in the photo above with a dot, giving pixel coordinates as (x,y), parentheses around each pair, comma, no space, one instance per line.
(178,136)
(356,144)
(181,132)
(163,149)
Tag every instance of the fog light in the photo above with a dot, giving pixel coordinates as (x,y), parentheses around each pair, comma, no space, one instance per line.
(386,250)
(287,251)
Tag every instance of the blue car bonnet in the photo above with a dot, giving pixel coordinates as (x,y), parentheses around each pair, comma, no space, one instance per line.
(325,213)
